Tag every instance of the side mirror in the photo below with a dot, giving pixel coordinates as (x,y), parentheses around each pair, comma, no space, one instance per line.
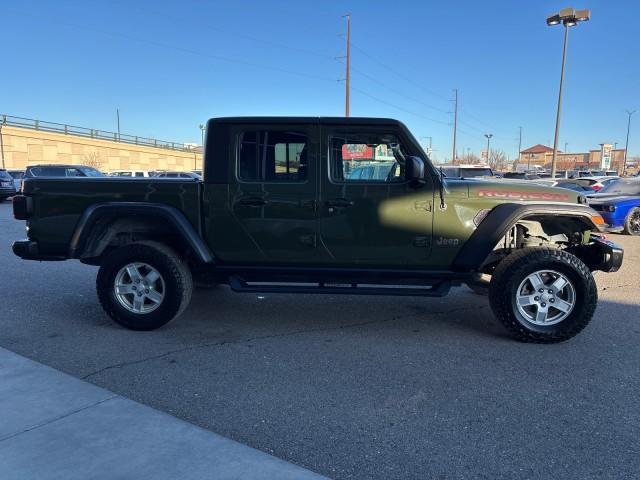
(414,171)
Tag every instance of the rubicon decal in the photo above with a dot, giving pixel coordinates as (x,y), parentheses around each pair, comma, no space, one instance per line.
(561,197)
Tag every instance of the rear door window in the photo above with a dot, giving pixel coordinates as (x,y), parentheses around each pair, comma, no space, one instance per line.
(272,156)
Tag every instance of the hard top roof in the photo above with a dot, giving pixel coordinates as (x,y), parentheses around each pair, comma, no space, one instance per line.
(309,120)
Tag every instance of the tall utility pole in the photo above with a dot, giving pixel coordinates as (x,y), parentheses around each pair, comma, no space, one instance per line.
(1,144)
(118,116)
(347,83)
(455,125)
(626,147)
(519,143)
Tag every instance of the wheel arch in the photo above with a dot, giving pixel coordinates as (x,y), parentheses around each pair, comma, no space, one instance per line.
(105,223)
(496,224)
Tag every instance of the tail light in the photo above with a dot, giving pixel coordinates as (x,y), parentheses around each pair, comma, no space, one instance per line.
(597,186)
(22,207)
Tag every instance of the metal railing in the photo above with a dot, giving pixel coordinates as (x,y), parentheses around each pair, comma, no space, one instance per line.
(65,129)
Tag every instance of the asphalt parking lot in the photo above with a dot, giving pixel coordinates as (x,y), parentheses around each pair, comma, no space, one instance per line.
(356,387)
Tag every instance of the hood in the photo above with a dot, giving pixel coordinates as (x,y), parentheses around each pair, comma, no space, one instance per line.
(520,190)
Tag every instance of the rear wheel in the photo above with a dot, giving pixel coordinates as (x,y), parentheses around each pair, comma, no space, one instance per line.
(143,286)
(632,222)
(543,295)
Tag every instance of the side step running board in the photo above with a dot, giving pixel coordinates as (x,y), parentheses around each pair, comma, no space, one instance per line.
(238,284)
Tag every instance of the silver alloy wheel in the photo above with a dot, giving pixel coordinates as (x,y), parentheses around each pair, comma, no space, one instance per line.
(139,288)
(545,297)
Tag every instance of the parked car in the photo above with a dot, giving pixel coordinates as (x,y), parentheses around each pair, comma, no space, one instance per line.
(467,171)
(183,175)
(562,183)
(35,171)
(17,176)
(383,171)
(131,173)
(521,175)
(7,188)
(595,183)
(259,227)
(619,204)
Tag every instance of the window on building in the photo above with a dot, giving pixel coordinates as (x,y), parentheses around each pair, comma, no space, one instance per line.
(375,158)
(272,156)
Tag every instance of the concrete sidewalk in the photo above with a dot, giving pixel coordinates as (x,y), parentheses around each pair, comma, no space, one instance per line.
(53,425)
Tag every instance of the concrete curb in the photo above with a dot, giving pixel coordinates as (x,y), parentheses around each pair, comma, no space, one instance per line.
(53,425)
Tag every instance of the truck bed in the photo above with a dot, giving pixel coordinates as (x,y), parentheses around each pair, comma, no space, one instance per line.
(60,202)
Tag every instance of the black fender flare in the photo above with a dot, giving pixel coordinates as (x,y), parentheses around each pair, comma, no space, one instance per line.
(109,211)
(501,218)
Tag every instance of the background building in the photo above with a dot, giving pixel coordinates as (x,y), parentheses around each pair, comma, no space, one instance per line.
(542,155)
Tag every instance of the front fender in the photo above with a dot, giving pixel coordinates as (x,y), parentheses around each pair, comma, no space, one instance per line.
(504,216)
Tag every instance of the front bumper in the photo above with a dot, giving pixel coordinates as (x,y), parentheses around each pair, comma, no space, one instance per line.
(607,255)
(7,192)
(29,250)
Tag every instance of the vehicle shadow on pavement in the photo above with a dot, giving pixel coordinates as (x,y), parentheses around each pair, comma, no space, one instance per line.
(462,311)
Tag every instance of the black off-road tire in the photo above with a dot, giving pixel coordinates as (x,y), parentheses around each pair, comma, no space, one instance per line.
(175,273)
(511,271)
(630,225)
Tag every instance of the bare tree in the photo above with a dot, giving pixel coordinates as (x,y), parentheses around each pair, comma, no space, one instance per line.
(92,160)
(497,159)
(469,158)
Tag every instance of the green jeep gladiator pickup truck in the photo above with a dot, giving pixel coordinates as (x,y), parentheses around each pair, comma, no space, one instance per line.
(280,209)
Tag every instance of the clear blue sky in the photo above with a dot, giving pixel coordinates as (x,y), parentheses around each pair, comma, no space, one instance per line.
(170,65)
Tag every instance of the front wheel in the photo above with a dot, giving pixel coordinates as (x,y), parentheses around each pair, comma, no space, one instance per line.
(632,222)
(144,285)
(543,295)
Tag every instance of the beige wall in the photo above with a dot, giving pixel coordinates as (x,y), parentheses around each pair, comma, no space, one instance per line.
(23,147)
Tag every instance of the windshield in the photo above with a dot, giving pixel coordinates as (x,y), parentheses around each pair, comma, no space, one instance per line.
(475,172)
(5,175)
(622,186)
(91,172)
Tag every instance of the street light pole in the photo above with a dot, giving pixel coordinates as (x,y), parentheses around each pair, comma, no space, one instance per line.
(557,134)
(519,143)
(624,166)
(568,18)
(488,135)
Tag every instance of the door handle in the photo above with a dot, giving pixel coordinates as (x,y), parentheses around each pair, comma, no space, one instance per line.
(253,202)
(339,203)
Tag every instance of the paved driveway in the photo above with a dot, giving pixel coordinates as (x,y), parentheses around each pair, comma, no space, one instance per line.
(356,387)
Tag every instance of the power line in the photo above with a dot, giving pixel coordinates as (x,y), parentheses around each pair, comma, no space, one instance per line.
(398,74)
(397,107)
(413,82)
(208,27)
(178,48)
(397,92)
